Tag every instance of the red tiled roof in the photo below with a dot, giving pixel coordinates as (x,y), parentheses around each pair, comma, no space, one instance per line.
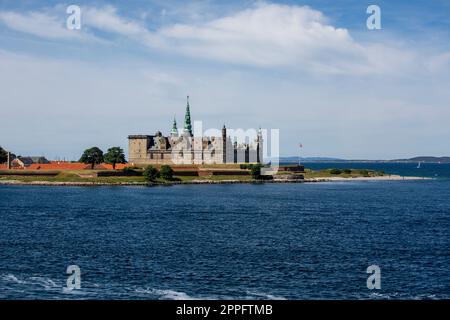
(63,165)
(54,165)
(105,166)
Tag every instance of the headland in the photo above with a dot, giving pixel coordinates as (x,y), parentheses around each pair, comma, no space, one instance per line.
(217,174)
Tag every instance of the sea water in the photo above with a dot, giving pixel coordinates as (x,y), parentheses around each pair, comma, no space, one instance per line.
(245,241)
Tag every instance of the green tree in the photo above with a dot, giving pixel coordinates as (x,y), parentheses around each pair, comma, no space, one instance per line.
(335,171)
(255,171)
(92,156)
(115,155)
(365,173)
(166,172)
(3,155)
(150,173)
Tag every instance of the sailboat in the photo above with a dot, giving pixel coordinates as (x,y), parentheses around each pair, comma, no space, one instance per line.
(419,165)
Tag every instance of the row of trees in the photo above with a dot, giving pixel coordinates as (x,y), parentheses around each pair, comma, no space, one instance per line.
(95,156)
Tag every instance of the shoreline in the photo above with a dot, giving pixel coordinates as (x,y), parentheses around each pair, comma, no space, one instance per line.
(197,182)
(392,177)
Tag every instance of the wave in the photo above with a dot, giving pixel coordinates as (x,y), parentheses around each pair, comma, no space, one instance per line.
(176,295)
(265,296)
(166,294)
(397,295)
(44,282)
(34,281)
(66,290)
(12,278)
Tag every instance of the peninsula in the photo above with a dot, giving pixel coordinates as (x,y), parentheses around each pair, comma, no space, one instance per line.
(214,174)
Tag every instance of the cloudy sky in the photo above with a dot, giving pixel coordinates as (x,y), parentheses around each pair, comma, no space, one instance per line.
(309,68)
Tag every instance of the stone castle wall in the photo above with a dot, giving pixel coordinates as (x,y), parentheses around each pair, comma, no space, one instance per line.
(191,150)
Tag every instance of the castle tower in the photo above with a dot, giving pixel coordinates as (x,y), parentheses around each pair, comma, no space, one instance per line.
(259,147)
(8,166)
(235,150)
(174,131)
(224,144)
(187,119)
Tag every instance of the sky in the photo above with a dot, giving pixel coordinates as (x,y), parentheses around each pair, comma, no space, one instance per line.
(311,69)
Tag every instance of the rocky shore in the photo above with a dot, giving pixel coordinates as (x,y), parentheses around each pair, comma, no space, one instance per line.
(377,178)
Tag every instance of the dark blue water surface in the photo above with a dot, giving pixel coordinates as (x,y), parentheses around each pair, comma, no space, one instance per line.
(269,241)
(430,170)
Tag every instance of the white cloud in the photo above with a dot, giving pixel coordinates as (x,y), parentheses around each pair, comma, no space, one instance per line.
(267,35)
(40,24)
(107,19)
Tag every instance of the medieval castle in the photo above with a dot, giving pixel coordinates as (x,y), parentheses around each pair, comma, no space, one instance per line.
(185,148)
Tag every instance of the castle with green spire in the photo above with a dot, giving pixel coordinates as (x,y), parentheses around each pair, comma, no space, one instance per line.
(183,148)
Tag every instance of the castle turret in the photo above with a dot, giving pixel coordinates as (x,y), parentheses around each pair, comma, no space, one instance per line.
(187,119)
(174,131)
(8,166)
(259,146)
(224,144)
(235,150)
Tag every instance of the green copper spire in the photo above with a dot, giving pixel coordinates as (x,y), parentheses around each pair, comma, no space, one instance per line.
(174,131)
(187,119)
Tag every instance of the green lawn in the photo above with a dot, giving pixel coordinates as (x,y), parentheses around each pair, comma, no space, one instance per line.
(355,173)
(72,176)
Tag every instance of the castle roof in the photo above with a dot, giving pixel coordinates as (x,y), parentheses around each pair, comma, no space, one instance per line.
(174,131)
(187,119)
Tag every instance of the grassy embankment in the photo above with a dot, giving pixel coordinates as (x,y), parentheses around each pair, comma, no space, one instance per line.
(74,176)
(342,173)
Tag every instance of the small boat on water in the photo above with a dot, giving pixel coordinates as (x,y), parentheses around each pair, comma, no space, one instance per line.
(419,165)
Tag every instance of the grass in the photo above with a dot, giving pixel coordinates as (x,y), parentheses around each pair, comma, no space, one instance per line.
(195,166)
(214,178)
(355,173)
(73,176)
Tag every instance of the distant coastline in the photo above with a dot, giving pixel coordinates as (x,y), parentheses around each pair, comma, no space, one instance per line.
(423,159)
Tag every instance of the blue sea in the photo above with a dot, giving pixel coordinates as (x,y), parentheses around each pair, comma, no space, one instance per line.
(248,241)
